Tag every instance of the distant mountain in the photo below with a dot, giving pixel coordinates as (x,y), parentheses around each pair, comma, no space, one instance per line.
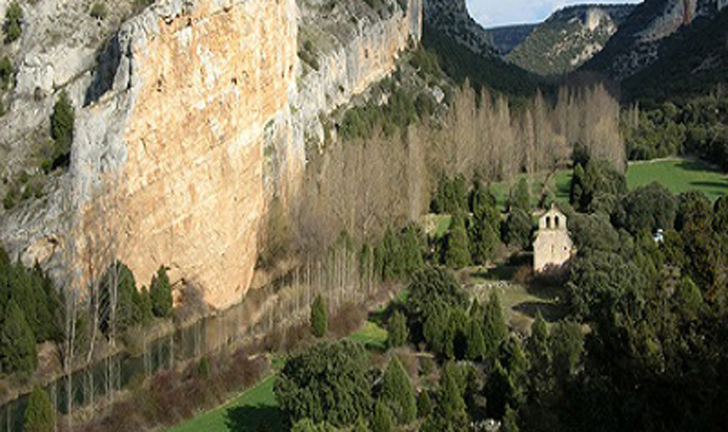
(690,63)
(465,52)
(644,38)
(506,39)
(569,38)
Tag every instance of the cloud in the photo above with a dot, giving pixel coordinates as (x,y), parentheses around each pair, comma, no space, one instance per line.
(499,12)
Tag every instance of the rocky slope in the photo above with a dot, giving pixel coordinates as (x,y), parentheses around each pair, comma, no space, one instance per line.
(193,119)
(640,39)
(465,51)
(568,38)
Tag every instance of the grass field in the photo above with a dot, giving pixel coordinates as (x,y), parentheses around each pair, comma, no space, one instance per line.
(679,175)
(254,410)
(371,336)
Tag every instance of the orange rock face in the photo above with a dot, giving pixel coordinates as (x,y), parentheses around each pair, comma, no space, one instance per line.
(191,188)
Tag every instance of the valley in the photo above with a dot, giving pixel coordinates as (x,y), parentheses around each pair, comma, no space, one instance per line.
(362,215)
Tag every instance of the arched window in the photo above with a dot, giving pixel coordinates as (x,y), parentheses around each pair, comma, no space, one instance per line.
(548,222)
(556,221)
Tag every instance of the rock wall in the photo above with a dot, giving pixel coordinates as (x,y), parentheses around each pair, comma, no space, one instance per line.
(197,115)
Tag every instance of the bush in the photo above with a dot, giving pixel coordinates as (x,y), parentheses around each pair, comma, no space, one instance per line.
(382,420)
(39,416)
(99,11)
(13,22)
(319,317)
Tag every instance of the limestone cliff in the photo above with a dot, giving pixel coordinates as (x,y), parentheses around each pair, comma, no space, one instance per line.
(197,114)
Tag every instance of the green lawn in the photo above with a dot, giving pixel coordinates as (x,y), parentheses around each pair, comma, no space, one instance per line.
(371,336)
(254,410)
(443,225)
(679,175)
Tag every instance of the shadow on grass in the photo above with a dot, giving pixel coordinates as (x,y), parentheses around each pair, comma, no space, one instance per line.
(254,419)
(551,312)
(696,165)
(708,184)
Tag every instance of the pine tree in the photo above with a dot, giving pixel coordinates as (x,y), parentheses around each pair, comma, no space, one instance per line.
(451,408)
(457,255)
(160,292)
(319,317)
(17,342)
(483,238)
(382,420)
(398,332)
(494,328)
(510,420)
(521,197)
(537,345)
(398,393)
(62,126)
(476,342)
(13,21)
(499,391)
(39,416)
(424,404)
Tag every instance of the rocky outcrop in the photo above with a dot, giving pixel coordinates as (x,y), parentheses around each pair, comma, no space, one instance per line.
(639,40)
(195,116)
(568,38)
(451,17)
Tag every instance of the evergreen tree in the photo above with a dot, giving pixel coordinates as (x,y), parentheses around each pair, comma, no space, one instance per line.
(483,238)
(146,307)
(537,345)
(450,413)
(160,291)
(382,421)
(397,392)
(499,391)
(319,317)
(424,404)
(62,129)
(17,342)
(494,328)
(457,255)
(520,197)
(510,420)
(398,332)
(476,341)
(517,230)
(566,344)
(361,426)
(13,22)
(39,416)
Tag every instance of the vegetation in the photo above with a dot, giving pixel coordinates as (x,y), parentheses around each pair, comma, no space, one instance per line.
(99,11)
(62,122)
(327,383)
(6,72)
(39,416)
(397,393)
(319,317)
(398,332)
(160,292)
(13,22)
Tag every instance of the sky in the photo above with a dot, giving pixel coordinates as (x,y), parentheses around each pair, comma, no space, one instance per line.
(492,13)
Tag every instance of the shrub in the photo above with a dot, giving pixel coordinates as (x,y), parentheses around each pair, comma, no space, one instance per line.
(457,254)
(319,318)
(13,22)
(39,414)
(99,11)
(424,404)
